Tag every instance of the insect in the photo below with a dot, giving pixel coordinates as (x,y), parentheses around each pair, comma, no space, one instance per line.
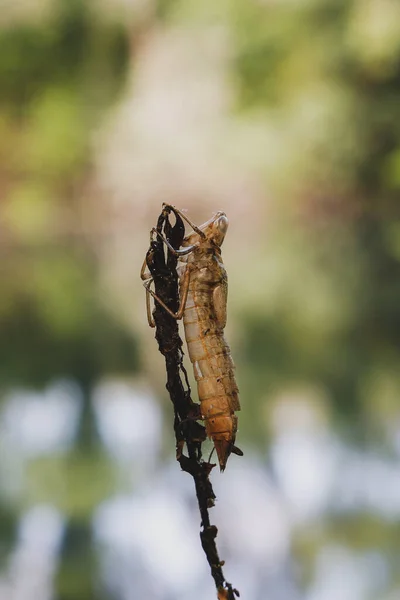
(203,292)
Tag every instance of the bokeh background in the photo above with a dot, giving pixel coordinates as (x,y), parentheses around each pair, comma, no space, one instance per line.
(285,114)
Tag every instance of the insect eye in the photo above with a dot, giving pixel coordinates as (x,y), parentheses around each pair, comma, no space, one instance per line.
(223,224)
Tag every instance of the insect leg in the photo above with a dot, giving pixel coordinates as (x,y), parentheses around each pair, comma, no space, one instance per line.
(143,274)
(211,453)
(192,225)
(185,290)
(236,450)
(147,281)
(171,248)
(148,306)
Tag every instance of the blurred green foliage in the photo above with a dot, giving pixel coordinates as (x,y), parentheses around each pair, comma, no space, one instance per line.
(330,58)
(56,79)
(71,50)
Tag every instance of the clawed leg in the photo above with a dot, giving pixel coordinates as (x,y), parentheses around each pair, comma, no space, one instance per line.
(211,453)
(171,248)
(236,450)
(183,216)
(184,292)
(148,279)
(148,305)
(143,274)
(147,282)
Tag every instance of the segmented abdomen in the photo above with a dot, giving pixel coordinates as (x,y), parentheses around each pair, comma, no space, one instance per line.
(213,370)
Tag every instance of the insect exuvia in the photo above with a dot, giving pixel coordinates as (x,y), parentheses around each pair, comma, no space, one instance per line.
(203,291)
